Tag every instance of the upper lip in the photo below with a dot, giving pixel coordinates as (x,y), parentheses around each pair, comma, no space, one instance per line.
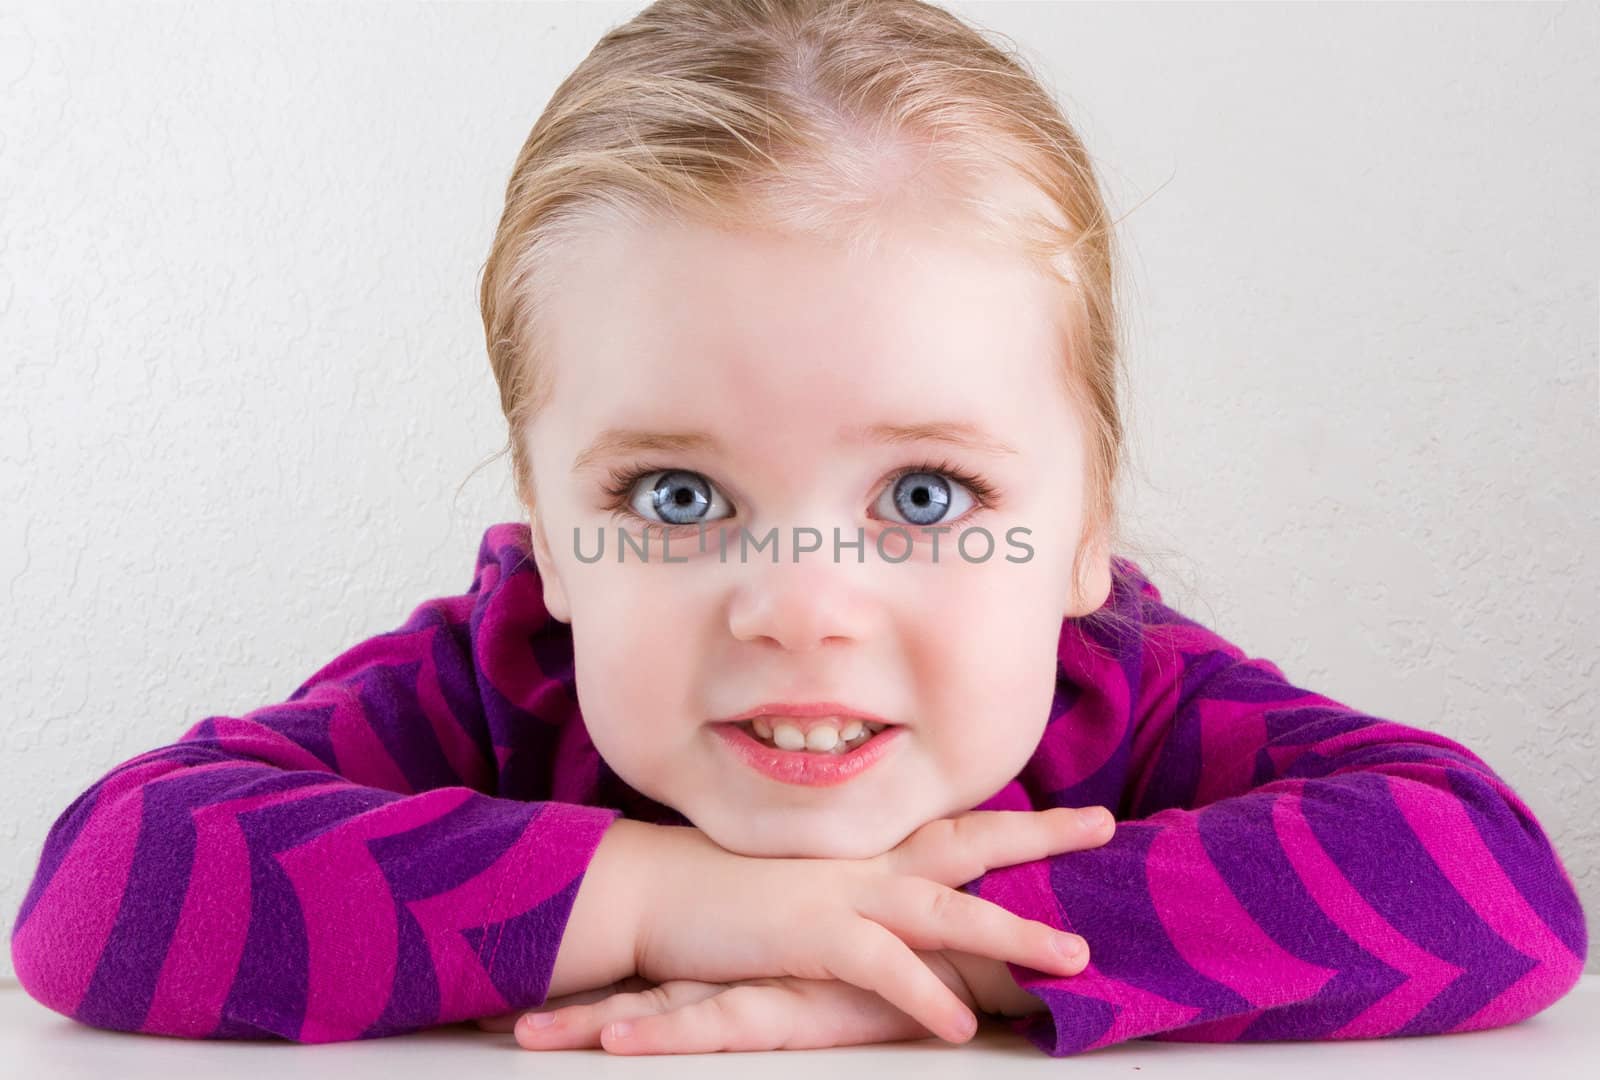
(804,711)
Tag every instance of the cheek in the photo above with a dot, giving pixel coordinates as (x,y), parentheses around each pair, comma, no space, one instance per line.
(634,659)
(999,670)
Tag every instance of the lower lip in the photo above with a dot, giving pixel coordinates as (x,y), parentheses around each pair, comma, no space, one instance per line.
(803,767)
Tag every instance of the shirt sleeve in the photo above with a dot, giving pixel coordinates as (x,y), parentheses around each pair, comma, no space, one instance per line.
(337,866)
(1286,867)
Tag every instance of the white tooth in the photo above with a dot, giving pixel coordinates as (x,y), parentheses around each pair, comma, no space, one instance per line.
(763,728)
(821,738)
(850,730)
(788,737)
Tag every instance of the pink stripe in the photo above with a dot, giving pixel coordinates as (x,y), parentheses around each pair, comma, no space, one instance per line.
(550,854)
(209,940)
(1382,733)
(1450,838)
(501,535)
(1166,648)
(504,641)
(485,579)
(1426,975)
(345,898)
(1160,679)
(361,755)
(1280,758)
(56,951)
(1227,945)
(253,739)
(1024,889)
(1097,720)
(1136,1012)
(1226,1030)
(1230,734)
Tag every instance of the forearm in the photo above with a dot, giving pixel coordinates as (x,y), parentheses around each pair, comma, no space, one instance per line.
(599,945)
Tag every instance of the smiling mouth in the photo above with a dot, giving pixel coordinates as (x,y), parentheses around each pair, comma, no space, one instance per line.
(819,740)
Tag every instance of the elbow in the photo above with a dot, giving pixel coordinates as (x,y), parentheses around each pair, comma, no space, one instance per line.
(65,949)
(61,927)
(1506,866)
(78,946)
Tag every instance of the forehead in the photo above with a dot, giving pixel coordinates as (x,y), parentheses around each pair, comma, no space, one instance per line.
(711,328)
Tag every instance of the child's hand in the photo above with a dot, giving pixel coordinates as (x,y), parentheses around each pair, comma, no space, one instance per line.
(717,917)
(682,1016)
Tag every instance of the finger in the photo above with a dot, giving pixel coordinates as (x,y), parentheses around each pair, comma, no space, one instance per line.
(744,1017)
(927,915)
(870,1019)
(836,1013)
(579,1026)
(953,851)
(503,1022)
(770,1014)
(507,1021)
(873,958)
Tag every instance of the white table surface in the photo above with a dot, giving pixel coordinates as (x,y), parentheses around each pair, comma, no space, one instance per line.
(1562,1041)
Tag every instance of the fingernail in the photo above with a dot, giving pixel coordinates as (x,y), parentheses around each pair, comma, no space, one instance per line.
(1069,945)
(540,1019)
(620,1029)
(1095,818)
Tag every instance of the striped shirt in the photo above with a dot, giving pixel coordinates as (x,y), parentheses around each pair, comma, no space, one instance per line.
(397,846)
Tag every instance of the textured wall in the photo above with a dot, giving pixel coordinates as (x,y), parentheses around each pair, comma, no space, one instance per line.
(244,373)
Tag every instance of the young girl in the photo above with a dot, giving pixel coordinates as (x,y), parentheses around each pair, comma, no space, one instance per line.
(771,724)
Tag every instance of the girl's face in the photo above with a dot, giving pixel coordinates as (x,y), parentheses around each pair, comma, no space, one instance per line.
(768,377)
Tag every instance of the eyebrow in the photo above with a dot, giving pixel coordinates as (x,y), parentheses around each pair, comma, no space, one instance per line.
(614,442)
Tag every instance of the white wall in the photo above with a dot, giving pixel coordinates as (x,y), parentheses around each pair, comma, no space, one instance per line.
(243,369)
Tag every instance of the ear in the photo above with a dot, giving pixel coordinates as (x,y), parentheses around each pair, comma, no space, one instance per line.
(555,595)
(1093,586)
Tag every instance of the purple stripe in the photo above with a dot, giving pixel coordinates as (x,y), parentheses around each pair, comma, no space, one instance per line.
(1103,787)
(58,841)
(389,701)
(1249,682)
(1521,847)
(451,849)
(269,991)
(124,981)
(1364,833)
(1241,841)
(1305,726)
(304,723)
(519,946)
(1174,776)
(414,997)
(458,683)
(1118,908)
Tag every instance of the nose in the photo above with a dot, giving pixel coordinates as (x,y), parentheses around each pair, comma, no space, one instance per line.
(802,607)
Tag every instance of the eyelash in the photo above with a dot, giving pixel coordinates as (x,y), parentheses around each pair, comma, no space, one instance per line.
(622,483)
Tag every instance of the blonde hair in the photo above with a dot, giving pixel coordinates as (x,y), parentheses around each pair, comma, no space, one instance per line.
(804,117)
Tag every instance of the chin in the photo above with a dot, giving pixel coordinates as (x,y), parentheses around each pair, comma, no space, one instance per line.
(790,846)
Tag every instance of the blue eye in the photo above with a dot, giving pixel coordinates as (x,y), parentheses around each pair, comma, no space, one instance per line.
(685,493)
(924,498)
(680,497)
